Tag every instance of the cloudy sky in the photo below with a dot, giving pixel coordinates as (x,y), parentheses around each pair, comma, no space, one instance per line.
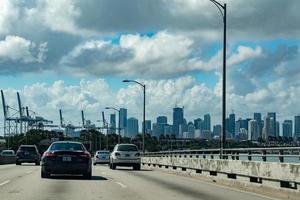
(73,55)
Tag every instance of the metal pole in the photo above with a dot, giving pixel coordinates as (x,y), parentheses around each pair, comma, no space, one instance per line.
(144,120)
(224,86)
(119,128)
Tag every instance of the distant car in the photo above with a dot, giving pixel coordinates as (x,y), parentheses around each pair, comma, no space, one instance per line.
(125,155)
(28,154)
(101,157)
(66,157)
(8,153)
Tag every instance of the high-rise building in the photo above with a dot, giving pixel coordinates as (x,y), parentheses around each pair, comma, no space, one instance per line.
(198,123)
(257,117)
(297,126)
(277,128)
(113,123)
(162,120)
(168,130)
(191,130)
(177,120)
(132,127)
(217,130)
(123,121)
(287,128)
(231,125)
(267,128)
(272,116)
(253,130)
(206,123)
(147,127)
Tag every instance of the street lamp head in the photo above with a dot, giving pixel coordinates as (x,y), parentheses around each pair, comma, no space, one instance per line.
(126,81)
(107,107)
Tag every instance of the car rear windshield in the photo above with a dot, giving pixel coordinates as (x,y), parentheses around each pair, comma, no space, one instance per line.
(66,147)
(32,149)
(103,152)
(127,148)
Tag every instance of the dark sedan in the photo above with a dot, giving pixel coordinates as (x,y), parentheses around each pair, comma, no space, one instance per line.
(66,158)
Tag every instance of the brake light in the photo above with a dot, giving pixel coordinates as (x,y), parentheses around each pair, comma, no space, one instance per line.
(49,154)
(85,155)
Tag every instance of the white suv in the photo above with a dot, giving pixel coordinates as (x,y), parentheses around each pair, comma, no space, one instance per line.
(125,155)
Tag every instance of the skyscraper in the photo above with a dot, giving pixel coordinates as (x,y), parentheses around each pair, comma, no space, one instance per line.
(177,120)
(272,117)
(132,127)
(231,125)
(217,130)
(297,126)
(162,120)
(148,126)
(287,128)
(257,117)
(198,123)
(123,120)
(113,123)
(266,129)
(253,130)
(206,124)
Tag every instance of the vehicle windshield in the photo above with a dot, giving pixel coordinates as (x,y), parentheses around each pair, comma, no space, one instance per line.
(127,148)
(103,152)
(66,147)
(24,148)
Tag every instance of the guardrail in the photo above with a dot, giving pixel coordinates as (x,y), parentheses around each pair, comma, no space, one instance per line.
(276,154)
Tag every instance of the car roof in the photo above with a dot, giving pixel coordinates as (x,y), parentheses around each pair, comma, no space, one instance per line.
(27,145)
(67,142)
(126,144)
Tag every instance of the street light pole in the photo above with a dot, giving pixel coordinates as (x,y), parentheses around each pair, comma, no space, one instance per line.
(144,109)
(223,135)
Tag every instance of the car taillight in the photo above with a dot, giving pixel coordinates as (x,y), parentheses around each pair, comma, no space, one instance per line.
(85,155)
(137,154)
(49,154)
(117,154)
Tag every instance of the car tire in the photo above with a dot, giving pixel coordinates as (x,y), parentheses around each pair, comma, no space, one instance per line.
(87,175)
(137,167)
(37,163)
(113,166)
(44,174)
(18,163)
(94,164)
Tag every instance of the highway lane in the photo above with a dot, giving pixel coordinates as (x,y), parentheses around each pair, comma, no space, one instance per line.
(24,183)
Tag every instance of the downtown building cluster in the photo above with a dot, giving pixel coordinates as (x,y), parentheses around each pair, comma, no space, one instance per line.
(257,128)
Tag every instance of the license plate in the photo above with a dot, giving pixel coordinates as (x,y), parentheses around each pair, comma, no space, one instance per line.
(66,159)
(127,155)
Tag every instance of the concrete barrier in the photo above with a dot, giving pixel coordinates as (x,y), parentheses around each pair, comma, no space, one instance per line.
(273,174)
(7,160)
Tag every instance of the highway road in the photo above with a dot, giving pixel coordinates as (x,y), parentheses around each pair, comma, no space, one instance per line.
(24,183)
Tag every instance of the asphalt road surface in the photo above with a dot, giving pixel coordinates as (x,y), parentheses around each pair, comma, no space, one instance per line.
(24,183)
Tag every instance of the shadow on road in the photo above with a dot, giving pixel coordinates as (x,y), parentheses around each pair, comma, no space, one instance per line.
(130,169)
(69,177)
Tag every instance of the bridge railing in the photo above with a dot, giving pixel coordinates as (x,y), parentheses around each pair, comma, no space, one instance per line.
(274,154)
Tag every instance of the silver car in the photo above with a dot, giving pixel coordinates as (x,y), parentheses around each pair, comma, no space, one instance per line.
(101,157)
(125,155)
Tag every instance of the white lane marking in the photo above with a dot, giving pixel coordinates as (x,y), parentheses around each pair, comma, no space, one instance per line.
(29,172)
(4,183)
(121,184)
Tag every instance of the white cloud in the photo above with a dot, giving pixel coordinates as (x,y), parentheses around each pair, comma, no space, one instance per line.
(162,55)
(17,49)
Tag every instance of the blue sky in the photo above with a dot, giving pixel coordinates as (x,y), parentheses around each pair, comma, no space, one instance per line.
(74,55)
